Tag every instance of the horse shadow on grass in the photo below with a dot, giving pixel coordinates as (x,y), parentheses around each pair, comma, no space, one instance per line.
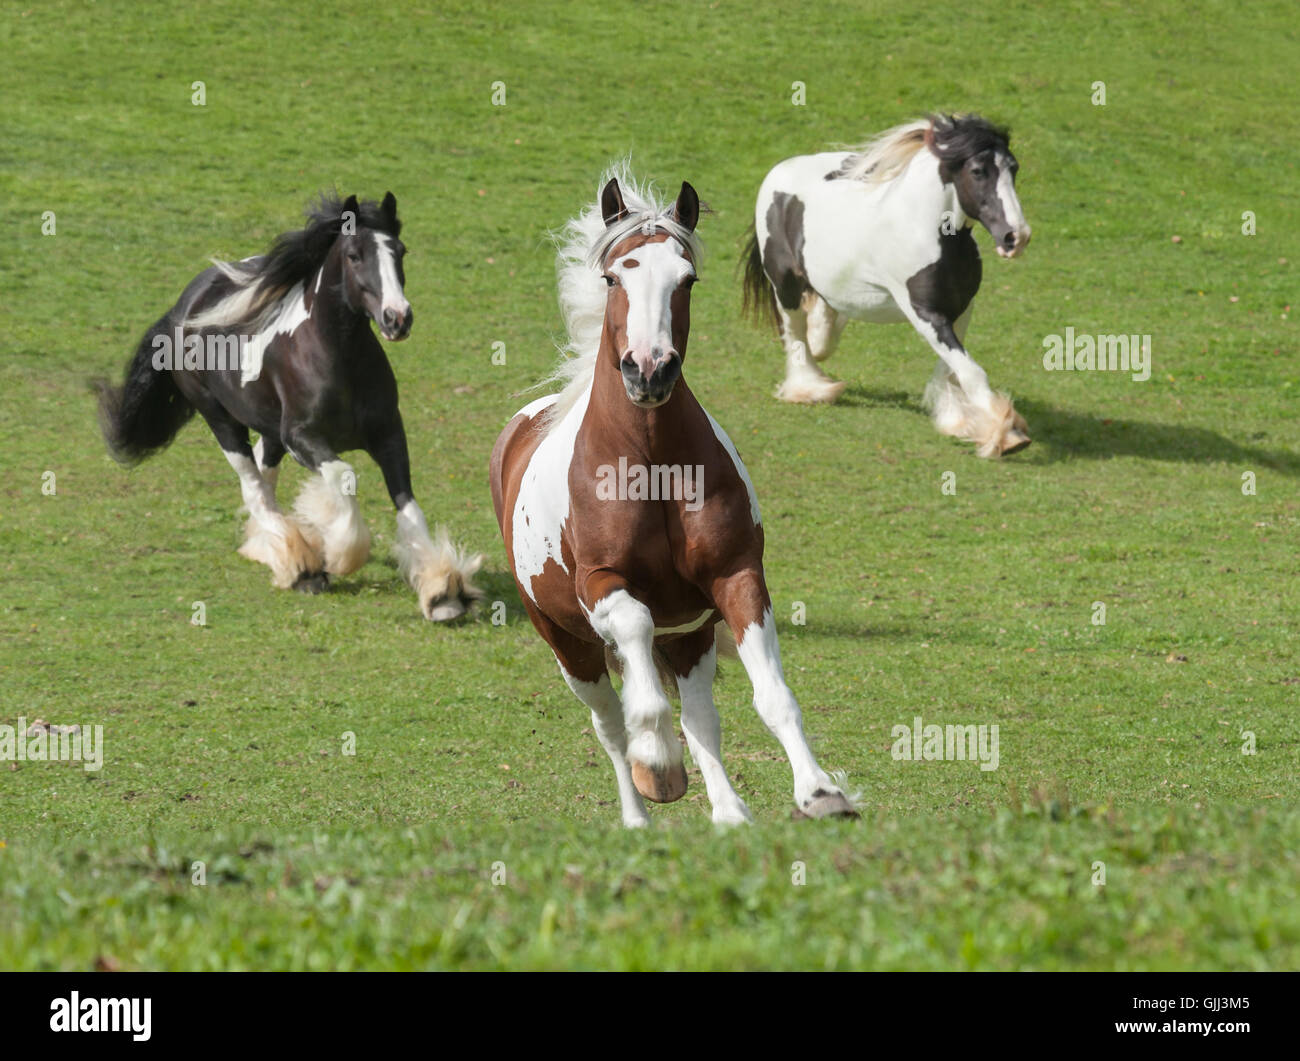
(1062,434)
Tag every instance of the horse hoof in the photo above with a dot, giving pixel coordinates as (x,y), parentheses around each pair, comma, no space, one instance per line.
(814,393)
(444,610)
(312,582)
(665,785)
(1014,442)
(826,805)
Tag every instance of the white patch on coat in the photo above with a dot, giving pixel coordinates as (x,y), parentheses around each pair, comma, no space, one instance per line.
(542,505)
(741,470)
(289,314)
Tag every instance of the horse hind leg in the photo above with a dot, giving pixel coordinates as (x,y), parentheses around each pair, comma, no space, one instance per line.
(694,674)
(269,537)
(330,517)
(607,720)
(825,327)
(268,452)
(804,381)
(653,752)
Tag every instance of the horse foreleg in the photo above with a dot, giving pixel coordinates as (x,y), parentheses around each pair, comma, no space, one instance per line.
(700,722)
(959,397)
(440,572)
(653,752)
(804,380)
(745,605)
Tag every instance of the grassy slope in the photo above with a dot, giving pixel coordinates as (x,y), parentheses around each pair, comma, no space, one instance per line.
(972,609)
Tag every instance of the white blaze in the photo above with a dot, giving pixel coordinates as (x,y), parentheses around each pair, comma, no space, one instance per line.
(390,287)
(659,270)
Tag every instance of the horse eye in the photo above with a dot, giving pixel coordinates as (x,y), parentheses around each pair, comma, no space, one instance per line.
(353,256)
(691,281)
(609,280)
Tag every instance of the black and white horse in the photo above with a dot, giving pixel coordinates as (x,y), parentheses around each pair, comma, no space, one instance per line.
(883,234)
(281,343)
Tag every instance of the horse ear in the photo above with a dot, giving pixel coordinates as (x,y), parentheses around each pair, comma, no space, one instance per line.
(611,203)
(351,206)
(687,207)
(389,206)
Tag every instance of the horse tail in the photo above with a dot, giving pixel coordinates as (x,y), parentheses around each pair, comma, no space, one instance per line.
(144,414)
(760,299)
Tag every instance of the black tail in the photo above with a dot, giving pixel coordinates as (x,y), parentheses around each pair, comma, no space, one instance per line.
(144,414)
(760,299)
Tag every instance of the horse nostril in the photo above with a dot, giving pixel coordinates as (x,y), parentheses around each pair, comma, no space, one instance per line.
(1009,239)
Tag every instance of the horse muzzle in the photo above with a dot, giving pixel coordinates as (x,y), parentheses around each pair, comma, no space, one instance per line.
(1013,242)
(395,325)
(651,391)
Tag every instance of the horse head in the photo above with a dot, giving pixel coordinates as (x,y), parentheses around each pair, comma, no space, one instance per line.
(649,270)
(369,256)
(975,157)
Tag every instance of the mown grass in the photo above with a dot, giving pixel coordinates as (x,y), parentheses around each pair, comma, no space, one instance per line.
(974,608)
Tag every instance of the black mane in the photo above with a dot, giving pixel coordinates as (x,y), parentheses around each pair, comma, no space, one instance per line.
(958,137)
(295,256)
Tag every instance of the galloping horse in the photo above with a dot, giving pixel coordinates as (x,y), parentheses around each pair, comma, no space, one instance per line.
(630,522)
(282,343)
(883,234)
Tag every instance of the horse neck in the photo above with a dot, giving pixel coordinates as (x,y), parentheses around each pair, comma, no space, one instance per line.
(337,323)
(624,428)
(925,193)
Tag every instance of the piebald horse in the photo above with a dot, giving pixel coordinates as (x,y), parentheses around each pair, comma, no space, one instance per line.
(281,343)
(883,234)
(649,565)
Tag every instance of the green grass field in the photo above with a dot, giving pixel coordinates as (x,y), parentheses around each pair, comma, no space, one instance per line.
(477,824)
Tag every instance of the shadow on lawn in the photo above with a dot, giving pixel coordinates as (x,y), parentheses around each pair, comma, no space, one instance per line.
(1061,434)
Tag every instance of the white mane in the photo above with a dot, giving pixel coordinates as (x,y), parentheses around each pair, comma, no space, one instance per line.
(883,157)
(582,246)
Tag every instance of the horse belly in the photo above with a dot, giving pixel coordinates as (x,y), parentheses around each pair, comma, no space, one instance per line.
(865,301)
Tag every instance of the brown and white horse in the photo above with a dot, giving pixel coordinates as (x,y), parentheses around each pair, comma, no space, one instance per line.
(630,522)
